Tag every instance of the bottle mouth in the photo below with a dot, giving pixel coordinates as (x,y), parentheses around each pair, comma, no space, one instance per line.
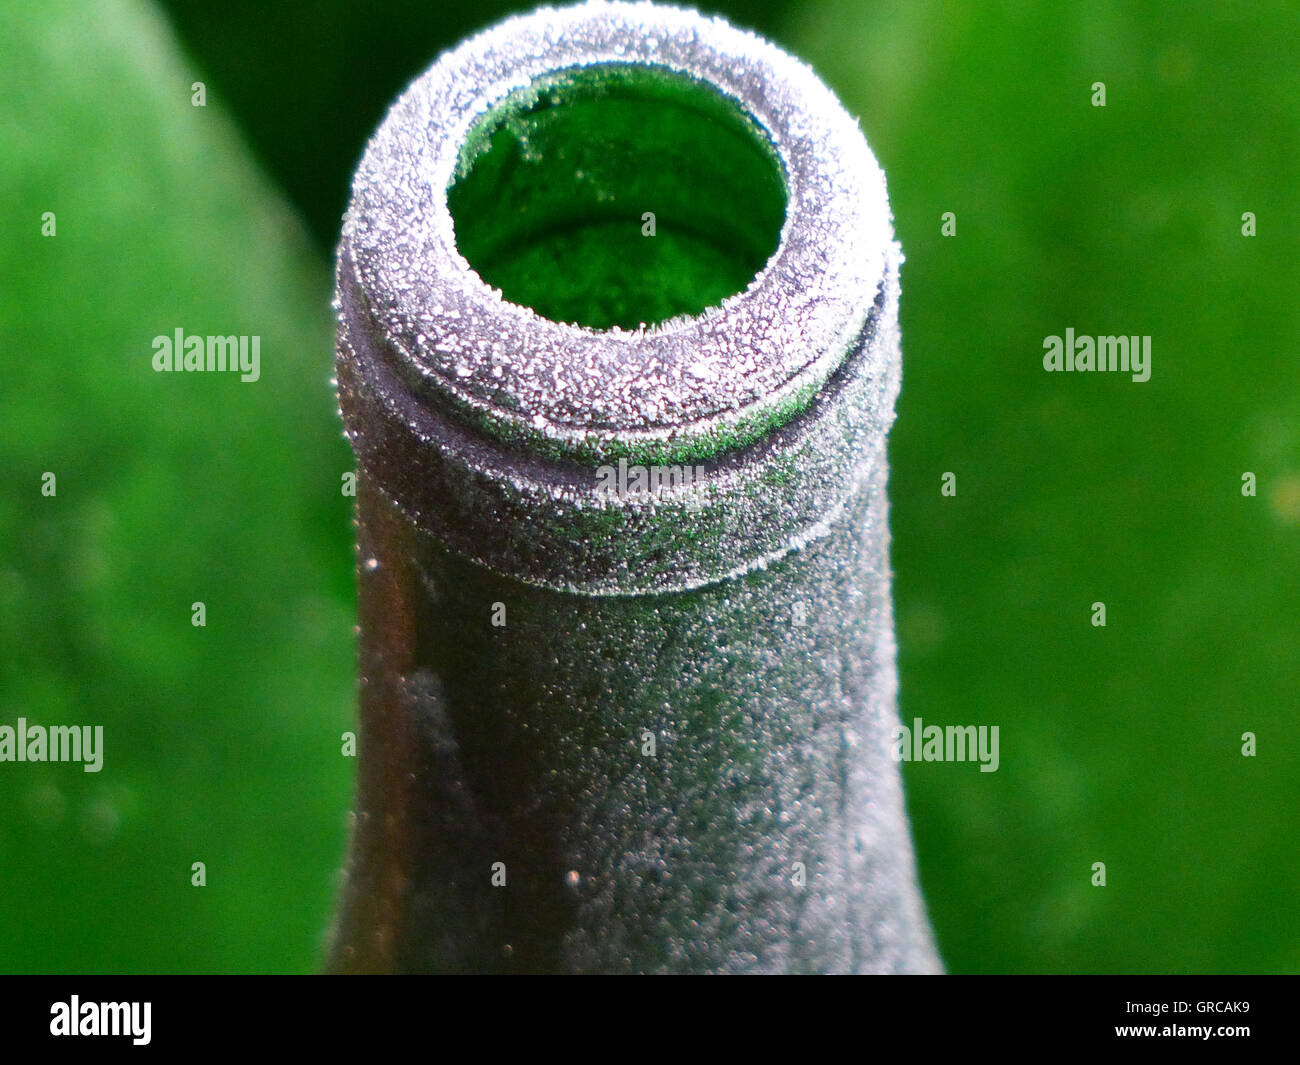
(425,219)
(617,195)
(518,359)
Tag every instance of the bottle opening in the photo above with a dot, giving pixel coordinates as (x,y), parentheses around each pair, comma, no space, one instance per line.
(617,195)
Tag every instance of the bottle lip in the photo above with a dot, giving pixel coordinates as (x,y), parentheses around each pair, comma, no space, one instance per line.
(688,390)
(643,478)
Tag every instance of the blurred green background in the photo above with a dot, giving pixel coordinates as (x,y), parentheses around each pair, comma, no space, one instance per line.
(1119,744)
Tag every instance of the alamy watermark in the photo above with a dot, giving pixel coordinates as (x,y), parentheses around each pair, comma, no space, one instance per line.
(213,354)
(77,1018)
(953,743)
(58,743)
(1111,354)
(633,482)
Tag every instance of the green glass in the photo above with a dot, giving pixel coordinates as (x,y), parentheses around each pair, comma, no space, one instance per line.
(623,729)
(554,186)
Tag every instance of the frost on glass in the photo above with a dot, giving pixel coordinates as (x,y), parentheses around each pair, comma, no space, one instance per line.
(740,617)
